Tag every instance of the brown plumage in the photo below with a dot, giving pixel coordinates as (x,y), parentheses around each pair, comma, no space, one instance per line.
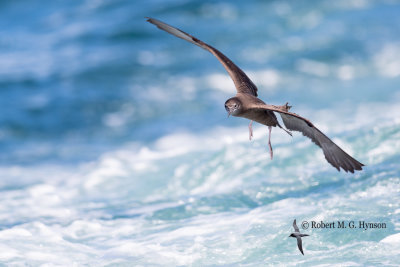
(246,104)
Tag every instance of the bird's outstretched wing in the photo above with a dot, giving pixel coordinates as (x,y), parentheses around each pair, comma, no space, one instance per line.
(300,244)
(242,83)
(296,229)
(333,153)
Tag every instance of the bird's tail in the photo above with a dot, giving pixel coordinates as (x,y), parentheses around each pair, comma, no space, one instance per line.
(286,108)
(288,132)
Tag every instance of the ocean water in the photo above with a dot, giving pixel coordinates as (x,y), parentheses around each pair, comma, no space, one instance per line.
(115,149)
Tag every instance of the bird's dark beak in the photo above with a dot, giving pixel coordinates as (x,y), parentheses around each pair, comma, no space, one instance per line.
(228,110)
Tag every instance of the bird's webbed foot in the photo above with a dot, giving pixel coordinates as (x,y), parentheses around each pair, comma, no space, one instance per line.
(286,107)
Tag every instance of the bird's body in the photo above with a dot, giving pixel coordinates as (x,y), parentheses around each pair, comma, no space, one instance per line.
(264,117)
(246,104)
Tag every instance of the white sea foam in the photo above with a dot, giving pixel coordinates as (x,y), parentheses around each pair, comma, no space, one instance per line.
(186,200)
(392,239)
(225,145)
(387,60)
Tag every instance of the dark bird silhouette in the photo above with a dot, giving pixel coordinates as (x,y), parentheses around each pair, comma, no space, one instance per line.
(246,104)
(298,236)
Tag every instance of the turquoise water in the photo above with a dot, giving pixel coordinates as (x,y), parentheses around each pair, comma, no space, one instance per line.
(115,149)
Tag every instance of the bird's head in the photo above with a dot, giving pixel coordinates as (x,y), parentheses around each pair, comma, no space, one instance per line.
(233,106)
(292,235)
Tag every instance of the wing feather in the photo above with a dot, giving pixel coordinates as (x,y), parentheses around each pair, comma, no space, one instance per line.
(296,229)
(332,152)
(242,83)
(300,245)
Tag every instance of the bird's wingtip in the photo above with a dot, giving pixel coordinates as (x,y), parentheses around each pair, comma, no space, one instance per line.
(148,19)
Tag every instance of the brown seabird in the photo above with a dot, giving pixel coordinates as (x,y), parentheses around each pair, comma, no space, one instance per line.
(298,236)
(246,104)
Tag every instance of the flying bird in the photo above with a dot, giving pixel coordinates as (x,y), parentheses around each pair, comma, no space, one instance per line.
(298,236)
(246,104)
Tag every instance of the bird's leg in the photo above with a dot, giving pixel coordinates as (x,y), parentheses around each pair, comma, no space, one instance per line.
(250,130)
(269,142)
